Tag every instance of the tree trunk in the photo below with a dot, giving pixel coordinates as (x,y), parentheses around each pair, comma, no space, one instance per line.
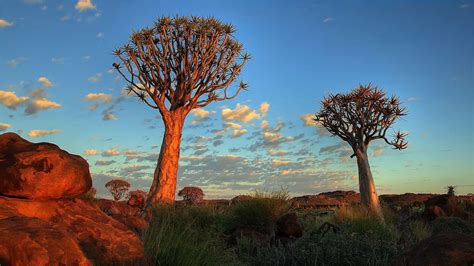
(163,187)
(368,194)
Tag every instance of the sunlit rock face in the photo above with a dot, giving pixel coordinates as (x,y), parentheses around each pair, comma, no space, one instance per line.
(38,242)
(102,239)
(40,170)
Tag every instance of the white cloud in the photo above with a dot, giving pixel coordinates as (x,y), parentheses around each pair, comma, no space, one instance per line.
(98,97)
(83,5)
(45,82)
(238,132)
(95,78)
(231,125)
(308,120)
(274,152)
(278,162)
(57,60)
(4,126)
(100,35)
(4,23)
(241,113)
(14,62)
(10,100)
(264,108)
(328,19)
(40,104)
(264,124)
(111,152)
(39,132)
(108,115)
(411,99)
(90,152)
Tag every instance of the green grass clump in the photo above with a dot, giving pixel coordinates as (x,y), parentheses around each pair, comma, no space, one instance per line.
(452,225)
(259,213)
(185,236)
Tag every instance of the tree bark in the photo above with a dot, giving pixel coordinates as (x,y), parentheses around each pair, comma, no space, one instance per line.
(163,187)
(368,194)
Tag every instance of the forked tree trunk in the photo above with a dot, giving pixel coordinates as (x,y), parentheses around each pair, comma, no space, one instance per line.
(368,194)
(163,187)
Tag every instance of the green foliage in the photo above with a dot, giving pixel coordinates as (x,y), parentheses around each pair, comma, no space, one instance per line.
(259,213)
(362,240)
(185,236)
(452,225)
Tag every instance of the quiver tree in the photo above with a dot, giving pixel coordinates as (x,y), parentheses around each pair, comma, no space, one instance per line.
(177,65)
(191,195)
(118,188)
(359,117)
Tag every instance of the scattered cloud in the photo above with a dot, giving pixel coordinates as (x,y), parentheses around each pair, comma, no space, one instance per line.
(108,115)
(100,35)
(200,115)
(98,97)
(90,152)
(264,124)
(104,162)
(5,23)
(231,125)
(83,5)
(39,104)
(327,20)
(264,108)
(308,120)
(411,99)
(95,78)
(111,152)
(238,132)
(241,113)
(45,82)
(4,126)
(39,132)
(57,60)
(14,62)
(10,100)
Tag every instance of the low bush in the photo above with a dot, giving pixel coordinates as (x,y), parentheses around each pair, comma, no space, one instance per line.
(452,225)
(260,212)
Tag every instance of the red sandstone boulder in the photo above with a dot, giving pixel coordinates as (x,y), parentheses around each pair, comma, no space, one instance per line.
(102,239)
(40,170)
(32,241)
(444,249)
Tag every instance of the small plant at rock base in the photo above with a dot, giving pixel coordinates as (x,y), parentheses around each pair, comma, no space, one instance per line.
(118,188)
(90,194)
(191,195)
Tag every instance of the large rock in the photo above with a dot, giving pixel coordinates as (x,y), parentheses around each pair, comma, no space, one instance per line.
(289,226)
(32,241)
(40,170)
(444,249)
(102,239)
(327,199)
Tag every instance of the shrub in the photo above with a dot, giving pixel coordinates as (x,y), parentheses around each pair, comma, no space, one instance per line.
(260,212)
(185,236)
(90,194)
(191,195)
(452,225)
(118,188)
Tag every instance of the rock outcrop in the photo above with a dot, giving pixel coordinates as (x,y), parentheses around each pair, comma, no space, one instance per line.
(40,170)
(102,239)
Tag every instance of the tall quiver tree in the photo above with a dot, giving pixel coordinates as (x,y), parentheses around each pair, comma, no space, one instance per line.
(177,65)
(359,117)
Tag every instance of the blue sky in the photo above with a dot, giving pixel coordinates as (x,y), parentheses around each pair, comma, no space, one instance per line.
(56,78)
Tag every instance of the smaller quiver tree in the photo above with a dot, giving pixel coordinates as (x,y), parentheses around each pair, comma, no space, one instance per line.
(191,195)
(358,117)
(118,188)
